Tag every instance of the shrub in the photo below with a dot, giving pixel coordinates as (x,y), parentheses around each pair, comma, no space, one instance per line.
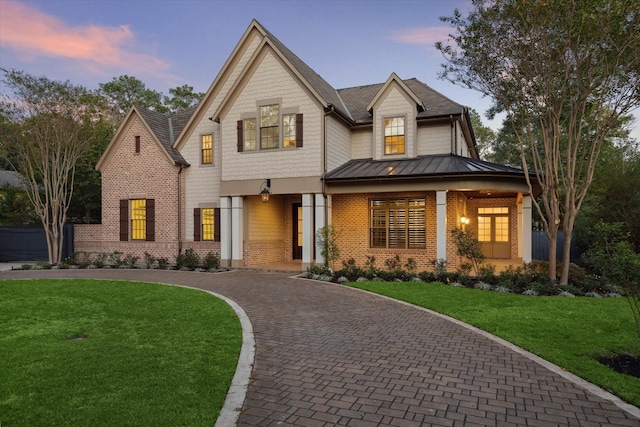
(130,261)
(468,246)
(411,265)
(326,239)
(211,261)
(427,276)
(163,263)
(149,260)
(99,260)
(190,260)
(487,273)
(394,263)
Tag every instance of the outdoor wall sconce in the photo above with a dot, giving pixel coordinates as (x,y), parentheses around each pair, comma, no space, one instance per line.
(464,220)
(264,190)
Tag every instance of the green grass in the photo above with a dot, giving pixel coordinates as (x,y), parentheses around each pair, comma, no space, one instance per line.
(568,332)
(154,355)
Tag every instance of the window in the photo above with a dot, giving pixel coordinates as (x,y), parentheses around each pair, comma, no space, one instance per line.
(269,126)
(493,224)
(249,126)
(137,144)
(397,223)
(206,224)
(394,135)
(289,130)
(207,149)
(139,219)
(270,135)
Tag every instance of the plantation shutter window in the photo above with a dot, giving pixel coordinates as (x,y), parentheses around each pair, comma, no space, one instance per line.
(397,223)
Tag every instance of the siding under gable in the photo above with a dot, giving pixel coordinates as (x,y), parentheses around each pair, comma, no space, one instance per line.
(394,103)
(434,139)
(272,80)
(338,143)
(362,143)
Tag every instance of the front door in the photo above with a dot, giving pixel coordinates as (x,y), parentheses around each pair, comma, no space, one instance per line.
(297,230)
(493,232)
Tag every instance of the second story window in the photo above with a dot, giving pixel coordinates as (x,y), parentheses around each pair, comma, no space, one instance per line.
(249,130)
(289,130)
(269,126)
(394,135)
(207,149)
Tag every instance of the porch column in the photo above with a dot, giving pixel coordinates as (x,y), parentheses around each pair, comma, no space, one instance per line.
(319,223)
(526,229)
(225,231)
(520,228)
(307,230)
(441,225)
(237,232)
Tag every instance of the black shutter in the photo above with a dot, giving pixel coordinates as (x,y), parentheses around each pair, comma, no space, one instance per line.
(124,220)
(216,225)
(240,137)
(298,130)
(151,220)
(196,224)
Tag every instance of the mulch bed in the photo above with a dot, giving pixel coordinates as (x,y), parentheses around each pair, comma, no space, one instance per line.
(624,363)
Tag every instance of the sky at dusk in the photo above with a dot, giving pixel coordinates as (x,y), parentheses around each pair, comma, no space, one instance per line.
(169,43)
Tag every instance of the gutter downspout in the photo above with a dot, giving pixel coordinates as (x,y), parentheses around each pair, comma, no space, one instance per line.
(451,147)
(180,211)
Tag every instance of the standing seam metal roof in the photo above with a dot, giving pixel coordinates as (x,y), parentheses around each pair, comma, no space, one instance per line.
(421,166)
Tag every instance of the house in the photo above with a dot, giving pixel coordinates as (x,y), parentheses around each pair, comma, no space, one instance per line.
(392,166)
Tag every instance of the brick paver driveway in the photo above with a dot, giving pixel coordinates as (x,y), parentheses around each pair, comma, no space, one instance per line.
(331,355)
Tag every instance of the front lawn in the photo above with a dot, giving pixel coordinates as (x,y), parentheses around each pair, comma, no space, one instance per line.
(569,332)
(88,352)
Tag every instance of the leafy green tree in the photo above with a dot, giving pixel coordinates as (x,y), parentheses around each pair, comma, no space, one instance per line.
(327,241)
(485,136)
(182,98)
(51,130)
(121,93)
(15,207)
(564,72)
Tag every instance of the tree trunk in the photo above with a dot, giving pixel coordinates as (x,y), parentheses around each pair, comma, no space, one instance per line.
(552,235)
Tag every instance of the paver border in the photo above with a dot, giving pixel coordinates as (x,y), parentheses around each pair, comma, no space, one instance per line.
(580,382)
(234,401)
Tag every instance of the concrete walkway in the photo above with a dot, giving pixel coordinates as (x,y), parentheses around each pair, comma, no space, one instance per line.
(330,355)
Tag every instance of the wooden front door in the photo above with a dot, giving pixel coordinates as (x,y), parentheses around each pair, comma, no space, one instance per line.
(297,230)
(493,232)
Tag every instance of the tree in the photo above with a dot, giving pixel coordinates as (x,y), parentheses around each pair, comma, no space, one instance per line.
(327,241)
(121,93)
(183,97)
(52,130)
(485,136)
(564,72)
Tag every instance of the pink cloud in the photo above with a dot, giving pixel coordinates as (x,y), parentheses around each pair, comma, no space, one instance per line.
(33,34)
(423,36)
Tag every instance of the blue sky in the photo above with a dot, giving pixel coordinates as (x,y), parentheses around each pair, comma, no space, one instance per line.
(168,43)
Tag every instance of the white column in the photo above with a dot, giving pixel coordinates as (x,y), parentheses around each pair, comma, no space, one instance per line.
(225,231)
(307,230)
(441,225)
(319,223)
(526,229)
(520,228)
(237,232)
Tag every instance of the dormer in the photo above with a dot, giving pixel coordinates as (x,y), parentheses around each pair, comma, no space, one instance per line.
(394,109)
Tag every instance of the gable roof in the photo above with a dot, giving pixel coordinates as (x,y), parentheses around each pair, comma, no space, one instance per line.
(434,166)
(353,103)
(164,128)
